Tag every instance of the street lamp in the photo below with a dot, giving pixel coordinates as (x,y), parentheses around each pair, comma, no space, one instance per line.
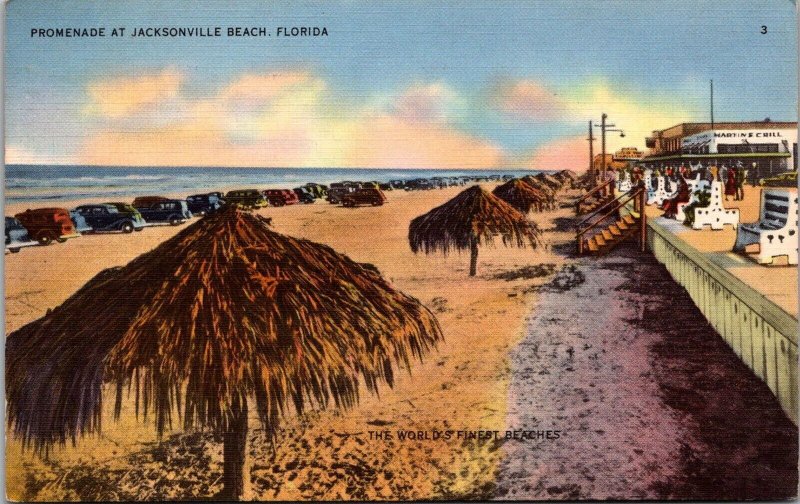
(604,127)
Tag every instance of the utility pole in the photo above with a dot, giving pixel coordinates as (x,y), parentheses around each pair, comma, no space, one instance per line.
(591,151)
(712,104)
(603,141)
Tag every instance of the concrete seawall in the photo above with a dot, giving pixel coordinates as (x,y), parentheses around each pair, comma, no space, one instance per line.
(761,333)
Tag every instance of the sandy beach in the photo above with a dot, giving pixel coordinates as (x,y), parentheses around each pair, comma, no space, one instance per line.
(461,386)
(484,377)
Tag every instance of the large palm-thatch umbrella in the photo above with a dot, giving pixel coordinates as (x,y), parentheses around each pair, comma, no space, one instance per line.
(225,312)
(473,217)
(520,195)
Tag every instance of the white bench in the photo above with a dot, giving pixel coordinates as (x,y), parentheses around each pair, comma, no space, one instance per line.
(695,185)
(715,215)
(648,180)
(658,196)
(624,185)
(776,230)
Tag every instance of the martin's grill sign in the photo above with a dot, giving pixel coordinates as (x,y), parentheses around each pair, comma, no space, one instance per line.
(749,134)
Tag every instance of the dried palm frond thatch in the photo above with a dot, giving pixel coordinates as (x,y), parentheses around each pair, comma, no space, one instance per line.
(521,196)
(546,190)
(567,174)
(472,218)
(224,311)
(551,181)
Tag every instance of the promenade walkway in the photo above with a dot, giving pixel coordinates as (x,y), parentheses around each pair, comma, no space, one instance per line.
(650,401)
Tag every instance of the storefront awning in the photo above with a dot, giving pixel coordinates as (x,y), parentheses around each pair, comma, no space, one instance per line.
(741,155)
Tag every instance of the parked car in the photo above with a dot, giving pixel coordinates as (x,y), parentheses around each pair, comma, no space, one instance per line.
(127,208)
(111,217)
(147,201)
(172,212)
(204,204)
(48,224)
(17,236)
(337,190)
(247,198)
(786,179)
(281,197)
(80,223)
(366,196)
(304,195)
(317,190)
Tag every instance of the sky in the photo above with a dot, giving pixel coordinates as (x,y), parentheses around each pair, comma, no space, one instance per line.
(411,84)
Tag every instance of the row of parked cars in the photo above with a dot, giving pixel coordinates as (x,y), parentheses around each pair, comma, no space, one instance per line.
(43,226)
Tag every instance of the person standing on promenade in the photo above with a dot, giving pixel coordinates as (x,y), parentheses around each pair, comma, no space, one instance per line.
(740,185)
(731,184)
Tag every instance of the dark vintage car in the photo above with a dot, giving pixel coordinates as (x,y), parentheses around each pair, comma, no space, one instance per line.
(304,195)
(786,179)
(47,224)
(337,190)
(204,204)
(111,217)
(247,198)
(79,222)
(172,212)
(317,190)
(147,201)
(17,236)
(366,196)
(281,197)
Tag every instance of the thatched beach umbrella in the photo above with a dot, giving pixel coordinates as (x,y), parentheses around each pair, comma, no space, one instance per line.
(520,195)
(550,181)
(568,174)
(226,316)
(473,217)
(539,185)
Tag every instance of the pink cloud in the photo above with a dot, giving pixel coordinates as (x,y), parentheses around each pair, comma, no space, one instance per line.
(424,103)
(527,99)
(571,153)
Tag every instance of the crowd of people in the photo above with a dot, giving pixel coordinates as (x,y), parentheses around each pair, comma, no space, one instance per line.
(732,178)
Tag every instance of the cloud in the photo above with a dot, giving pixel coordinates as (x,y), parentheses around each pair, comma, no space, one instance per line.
(291,119)
(569,153)
(388,141)
(15,154)
(635,111)
(123,96)
(527,100)
(426,103)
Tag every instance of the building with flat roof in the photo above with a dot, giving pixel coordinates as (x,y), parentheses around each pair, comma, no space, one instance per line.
(763,148)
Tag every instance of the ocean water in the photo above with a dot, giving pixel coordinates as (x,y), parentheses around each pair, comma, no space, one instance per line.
(29,183)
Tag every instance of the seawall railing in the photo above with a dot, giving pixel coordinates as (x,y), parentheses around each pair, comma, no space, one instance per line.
(761,333)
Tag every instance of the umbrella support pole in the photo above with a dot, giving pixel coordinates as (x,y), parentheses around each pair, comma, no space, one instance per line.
(236,464)
(473,259)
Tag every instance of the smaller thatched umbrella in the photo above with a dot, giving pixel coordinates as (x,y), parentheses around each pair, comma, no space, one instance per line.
(568,174)
(226,317)
(539,185)
(473,217)
(520,195)
(551,181)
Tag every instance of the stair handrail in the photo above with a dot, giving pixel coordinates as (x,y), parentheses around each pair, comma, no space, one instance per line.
(628,196)
(622,200)
(594,190)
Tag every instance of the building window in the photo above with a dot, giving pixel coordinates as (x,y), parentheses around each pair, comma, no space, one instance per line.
(746,148)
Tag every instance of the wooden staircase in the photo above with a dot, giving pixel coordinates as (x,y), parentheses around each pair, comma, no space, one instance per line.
(606,238)
(596,198)
(606,226)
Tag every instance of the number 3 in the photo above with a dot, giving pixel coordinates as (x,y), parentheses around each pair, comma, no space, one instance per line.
(763,29)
